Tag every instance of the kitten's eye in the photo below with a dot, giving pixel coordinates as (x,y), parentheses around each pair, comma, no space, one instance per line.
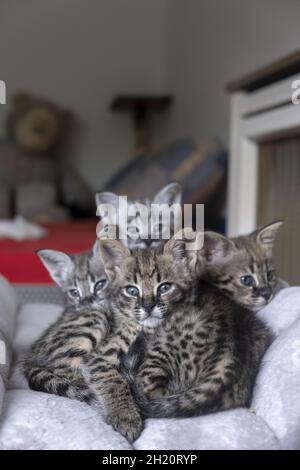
(133,230)
(165,287)
(158,228)
(74,293)
(270,275)
(133,291)
(99,285)
(247,280)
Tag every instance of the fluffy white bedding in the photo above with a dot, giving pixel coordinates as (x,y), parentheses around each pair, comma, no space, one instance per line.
(33,420)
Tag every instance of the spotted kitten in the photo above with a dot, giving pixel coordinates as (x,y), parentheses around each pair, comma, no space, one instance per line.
(80,276)
(243,267)
(206,349)
(79,356)
(140,232)
(53,364)
(108,385)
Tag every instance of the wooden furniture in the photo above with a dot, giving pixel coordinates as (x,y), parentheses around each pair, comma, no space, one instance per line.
(140,107)
(264,166)
(261,110)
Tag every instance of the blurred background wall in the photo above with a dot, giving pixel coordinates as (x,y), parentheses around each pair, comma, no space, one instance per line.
(211,42)
(82,53)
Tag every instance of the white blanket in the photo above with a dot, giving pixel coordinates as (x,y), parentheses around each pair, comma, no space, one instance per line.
(20,229)
(32,420)
(8,312)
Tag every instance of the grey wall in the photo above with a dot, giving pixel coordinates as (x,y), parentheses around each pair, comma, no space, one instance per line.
(211,42)
(81,53)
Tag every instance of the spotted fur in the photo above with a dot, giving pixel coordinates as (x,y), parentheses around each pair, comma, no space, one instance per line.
(53,364)
(204,351)
(80,276)
(130,316)
(141,231)
(102,370)
(229,262)
(79,356)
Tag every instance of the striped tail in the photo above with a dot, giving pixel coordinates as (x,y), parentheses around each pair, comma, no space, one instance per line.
(209,396)
(194,401)
(46,380)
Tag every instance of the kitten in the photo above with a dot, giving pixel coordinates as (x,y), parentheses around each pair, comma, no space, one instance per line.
(243,267)
(80,276)
(139,234)
(108,385)
(53,362)
(201,351)
(79,356)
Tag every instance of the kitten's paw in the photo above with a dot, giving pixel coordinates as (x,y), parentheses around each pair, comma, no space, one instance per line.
(127,422)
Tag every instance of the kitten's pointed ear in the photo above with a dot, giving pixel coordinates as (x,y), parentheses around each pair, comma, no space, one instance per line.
(170,194)
(59,265)
(217,248)
(95,261)
(103,201)
(95,253)
(266,235)
(107,198)
(184,245)
(96,249)
(112,253)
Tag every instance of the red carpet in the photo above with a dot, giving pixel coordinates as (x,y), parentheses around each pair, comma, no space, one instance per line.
(20,264)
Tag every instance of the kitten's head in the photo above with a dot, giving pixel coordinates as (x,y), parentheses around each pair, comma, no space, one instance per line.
(81,277)
(147,284)
(142,232)
(243,267)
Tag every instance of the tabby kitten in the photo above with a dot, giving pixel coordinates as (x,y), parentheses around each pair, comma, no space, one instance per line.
(102,371)
(79,356)
(201,351)
(243,267)
(142,233)
(80,276)
(53,363)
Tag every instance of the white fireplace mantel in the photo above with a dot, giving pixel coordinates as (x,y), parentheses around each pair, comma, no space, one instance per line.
(256,116)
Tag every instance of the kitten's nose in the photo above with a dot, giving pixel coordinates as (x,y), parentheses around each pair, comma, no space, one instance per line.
(148,241)
(86,301)
(265,292)
(148,306)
